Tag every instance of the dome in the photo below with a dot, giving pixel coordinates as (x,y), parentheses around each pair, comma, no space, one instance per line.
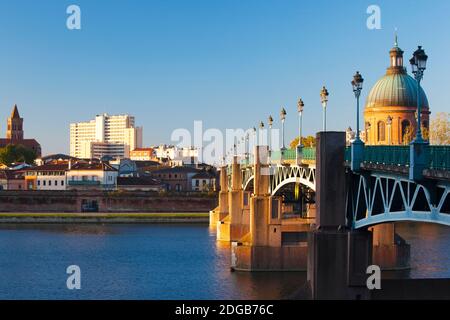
(395,89)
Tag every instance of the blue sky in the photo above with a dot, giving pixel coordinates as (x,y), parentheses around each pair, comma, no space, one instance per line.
(230,63)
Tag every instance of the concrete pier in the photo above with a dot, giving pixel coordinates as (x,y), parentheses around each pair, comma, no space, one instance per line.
(235,224)
(262,248)
(337,257)
(221,211)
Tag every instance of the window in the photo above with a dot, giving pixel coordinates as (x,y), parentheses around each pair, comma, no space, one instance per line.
(62,183)
(44,182)
(381,131)
(39,182)
(56,182)
(406,132)
(49,182)
(197,183)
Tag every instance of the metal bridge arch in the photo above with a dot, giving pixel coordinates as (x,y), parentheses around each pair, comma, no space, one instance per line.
(380,198)
(283,175)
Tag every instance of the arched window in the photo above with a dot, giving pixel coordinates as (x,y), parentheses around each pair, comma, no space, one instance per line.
(381,131)
(406,132)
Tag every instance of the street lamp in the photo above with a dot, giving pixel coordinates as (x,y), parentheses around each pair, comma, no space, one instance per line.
(324,99)
(282,118)
(357,149)
(389,124)
(419,154)
(261,130)
(418,65)
(357,83)
(270,132)
(300,107)
(299,150)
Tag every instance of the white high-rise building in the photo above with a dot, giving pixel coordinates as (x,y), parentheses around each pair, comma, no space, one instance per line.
(106,135)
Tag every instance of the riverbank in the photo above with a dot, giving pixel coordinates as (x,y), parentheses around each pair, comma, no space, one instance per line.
(113,202)
(110,218)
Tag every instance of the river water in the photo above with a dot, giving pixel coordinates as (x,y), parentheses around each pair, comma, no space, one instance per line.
(161,262)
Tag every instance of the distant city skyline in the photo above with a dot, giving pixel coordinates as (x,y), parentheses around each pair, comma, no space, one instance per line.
(230,64)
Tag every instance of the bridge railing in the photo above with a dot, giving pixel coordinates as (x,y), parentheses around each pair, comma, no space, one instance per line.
(387,155)
(440,157)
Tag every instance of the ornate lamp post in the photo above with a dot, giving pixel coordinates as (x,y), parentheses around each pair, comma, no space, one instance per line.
(357,83)
(418,147)
(418,64)
(270,121)
(300,106)
(246,146)
(324,99)
(261,132)
(282,118)
(299,153)
(357,149)
(389,126)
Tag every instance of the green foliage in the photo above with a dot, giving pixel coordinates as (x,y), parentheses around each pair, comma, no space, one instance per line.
(16,153)
(307,142)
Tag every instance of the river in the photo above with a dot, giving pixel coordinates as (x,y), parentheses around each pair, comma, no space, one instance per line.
(161,262)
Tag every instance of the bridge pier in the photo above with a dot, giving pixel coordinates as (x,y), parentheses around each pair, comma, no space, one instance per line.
(221,211)
(390,251)
(261,249)
(337,257)
(235,225)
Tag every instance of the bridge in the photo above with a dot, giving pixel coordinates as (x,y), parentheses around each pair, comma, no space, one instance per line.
(372,189)
(380,191)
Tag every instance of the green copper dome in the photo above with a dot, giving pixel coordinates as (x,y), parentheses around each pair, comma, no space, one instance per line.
(396,88)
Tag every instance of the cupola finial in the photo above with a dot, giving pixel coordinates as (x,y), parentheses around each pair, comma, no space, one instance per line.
(396,38)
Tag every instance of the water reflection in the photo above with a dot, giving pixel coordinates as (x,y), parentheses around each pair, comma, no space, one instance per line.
(162,262)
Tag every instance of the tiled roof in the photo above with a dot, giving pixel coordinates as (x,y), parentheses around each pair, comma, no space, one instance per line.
(11,174)
(93,166)
(203,175)
(29,143)
(177,170)
(50,167)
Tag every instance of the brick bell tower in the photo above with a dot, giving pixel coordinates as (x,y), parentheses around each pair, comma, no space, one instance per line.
(14,130)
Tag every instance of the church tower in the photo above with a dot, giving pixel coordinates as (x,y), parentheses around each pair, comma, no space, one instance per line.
(14,130)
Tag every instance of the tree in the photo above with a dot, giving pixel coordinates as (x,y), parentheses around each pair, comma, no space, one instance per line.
(16,153)
(440,129)
(308,142)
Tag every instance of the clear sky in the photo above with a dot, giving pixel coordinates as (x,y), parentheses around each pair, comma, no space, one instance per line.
(230,63)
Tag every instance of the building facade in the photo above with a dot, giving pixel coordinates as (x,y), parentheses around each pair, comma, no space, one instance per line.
(12,180)
(176,178)
(47,177)
(204,182)
(390,112)
(92,176)
(143,154)
(106,135)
